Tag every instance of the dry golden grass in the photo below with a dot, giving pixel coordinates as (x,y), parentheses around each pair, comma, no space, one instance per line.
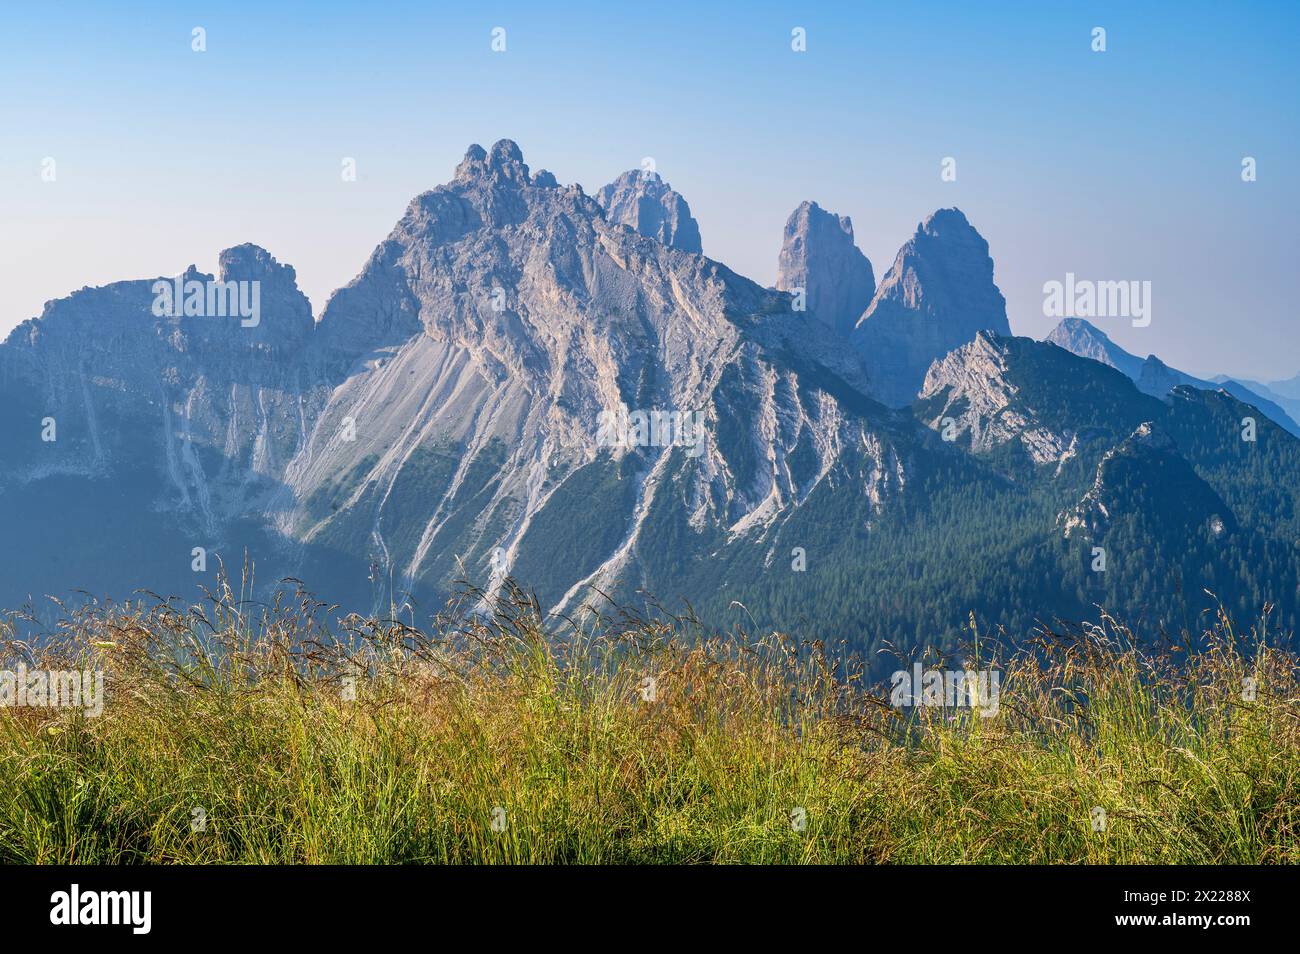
(245,714)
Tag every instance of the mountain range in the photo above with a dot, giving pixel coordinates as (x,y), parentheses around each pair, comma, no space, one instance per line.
(529,381)
(1155,377)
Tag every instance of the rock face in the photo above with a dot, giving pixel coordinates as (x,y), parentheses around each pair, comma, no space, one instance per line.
(1152,375)
(970,396)
(819,256)
(525,325)
(936,296)
(1015,399)
(210,405)
(517,384)
(644,202)
(468,401)
(997,393)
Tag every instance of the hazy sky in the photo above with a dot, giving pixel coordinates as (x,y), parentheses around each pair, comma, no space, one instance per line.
(1122,165)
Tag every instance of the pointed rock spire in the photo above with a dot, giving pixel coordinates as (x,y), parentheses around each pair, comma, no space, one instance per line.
(285,314)
(642,201)
(503,161)
(818,255)
(936,296)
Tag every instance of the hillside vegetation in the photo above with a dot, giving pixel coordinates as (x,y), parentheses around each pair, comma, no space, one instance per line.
(241,733)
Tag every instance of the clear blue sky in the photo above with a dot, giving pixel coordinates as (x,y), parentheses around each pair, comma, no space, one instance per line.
(1115,165)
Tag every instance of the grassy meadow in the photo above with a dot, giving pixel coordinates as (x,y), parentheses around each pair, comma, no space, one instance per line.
(235,733)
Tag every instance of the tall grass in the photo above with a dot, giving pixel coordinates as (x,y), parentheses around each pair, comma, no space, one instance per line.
(230,734)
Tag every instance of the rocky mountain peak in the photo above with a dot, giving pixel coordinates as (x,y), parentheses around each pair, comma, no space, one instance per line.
(950,223)
(516,383)
(504,160)
(818,255)
(284,313)
(943,269)
(1088,341)
(249,262)
(643,201)
(970,397)
(935,297)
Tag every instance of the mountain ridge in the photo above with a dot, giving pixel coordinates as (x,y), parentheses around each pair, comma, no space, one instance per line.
(517,383)
(1152,375)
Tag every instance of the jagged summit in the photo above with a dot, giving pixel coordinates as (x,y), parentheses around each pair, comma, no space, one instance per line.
(508,322)
(504,160)
(818,255)
(943,270)
(91,316)
(950,223)
(938,293)
(248,262)
(643,201)
(974,395)
(516,382)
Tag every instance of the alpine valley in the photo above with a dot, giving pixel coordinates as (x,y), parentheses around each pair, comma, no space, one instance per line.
(879,462)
